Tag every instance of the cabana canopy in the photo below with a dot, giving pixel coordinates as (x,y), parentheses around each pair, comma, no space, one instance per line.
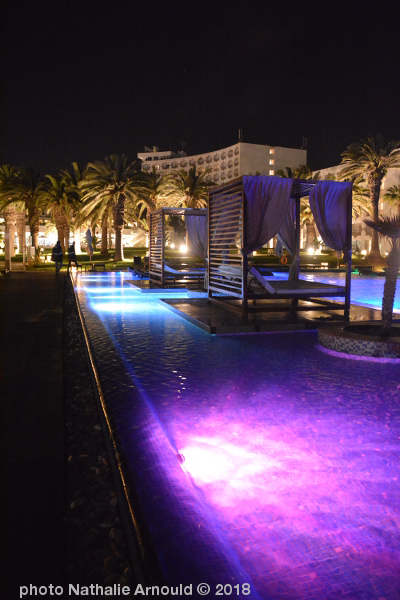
(196,224)
(251,210)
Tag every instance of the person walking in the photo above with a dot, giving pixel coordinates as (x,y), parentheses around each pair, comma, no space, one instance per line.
(72,256)
(57,256)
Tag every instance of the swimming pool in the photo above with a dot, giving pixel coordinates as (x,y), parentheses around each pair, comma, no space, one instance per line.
(291,456)
(365,290)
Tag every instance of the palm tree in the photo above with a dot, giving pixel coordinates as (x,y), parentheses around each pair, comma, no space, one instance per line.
(7,178)
(21,226)
(27,188)
(300,172)
(61,200)
(10,224)
(307,220)
(370,159)
(108,185)
(390,228)
(149,187)
(187,189)
(183,188)
(393,197)
(72,177)
(14,212)
(94,212)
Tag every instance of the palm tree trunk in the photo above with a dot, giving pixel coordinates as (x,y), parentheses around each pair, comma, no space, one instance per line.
(389,290)
(104,228)
(65,233)
(21,217)
(374,192)
(311,235)
(118,214)
(77,239)
(9,222)
(34,216)
(119,252)
(59,223)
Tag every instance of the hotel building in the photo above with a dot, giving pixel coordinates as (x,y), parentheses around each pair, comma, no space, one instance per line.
(228,163)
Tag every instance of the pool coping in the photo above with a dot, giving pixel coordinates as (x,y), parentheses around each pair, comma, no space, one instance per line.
(349,343)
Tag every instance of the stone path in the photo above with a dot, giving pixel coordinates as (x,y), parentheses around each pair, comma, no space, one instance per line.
(32,445)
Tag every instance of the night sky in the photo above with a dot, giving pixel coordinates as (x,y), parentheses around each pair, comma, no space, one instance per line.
(82,80)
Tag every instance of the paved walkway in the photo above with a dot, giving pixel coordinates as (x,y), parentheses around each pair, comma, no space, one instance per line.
(32,446)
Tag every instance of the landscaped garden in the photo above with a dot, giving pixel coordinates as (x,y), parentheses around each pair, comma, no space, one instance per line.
(108,195)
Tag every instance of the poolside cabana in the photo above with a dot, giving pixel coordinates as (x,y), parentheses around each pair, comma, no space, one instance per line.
(249,211)
(165,275)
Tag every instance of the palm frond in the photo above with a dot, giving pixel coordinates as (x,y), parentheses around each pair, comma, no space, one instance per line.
(386,226)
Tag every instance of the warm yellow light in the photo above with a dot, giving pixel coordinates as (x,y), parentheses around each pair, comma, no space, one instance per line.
(183,248)
(364,252)
(310,251)
(172,246)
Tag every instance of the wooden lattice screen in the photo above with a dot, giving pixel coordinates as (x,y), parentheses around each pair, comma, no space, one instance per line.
(156,247)
(227,267)
(157,271)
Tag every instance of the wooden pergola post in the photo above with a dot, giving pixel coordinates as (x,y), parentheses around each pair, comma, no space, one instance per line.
(245,261)
(348,257)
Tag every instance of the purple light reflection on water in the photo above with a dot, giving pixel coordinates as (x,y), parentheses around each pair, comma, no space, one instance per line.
(297,452)
(297,507)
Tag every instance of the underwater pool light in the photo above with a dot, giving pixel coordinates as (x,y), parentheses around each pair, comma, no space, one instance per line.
(205,463)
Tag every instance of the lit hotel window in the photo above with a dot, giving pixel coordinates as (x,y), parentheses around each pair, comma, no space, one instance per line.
(271,172)
(272,150)
(272,162)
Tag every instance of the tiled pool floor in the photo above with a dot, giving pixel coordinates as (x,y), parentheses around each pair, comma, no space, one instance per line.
(292,456)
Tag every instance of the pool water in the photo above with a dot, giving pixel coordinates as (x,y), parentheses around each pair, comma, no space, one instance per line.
(294,455)
(365,290)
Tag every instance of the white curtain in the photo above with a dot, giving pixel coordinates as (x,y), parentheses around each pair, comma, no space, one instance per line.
(329,202)
(287,237)
(197,232)
(267,205)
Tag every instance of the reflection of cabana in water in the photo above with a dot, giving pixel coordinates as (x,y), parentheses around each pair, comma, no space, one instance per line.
(196,223)
(247,213)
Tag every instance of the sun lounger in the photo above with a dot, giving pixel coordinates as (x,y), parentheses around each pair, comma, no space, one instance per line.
(185,272)
(295,288)
(139,273)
